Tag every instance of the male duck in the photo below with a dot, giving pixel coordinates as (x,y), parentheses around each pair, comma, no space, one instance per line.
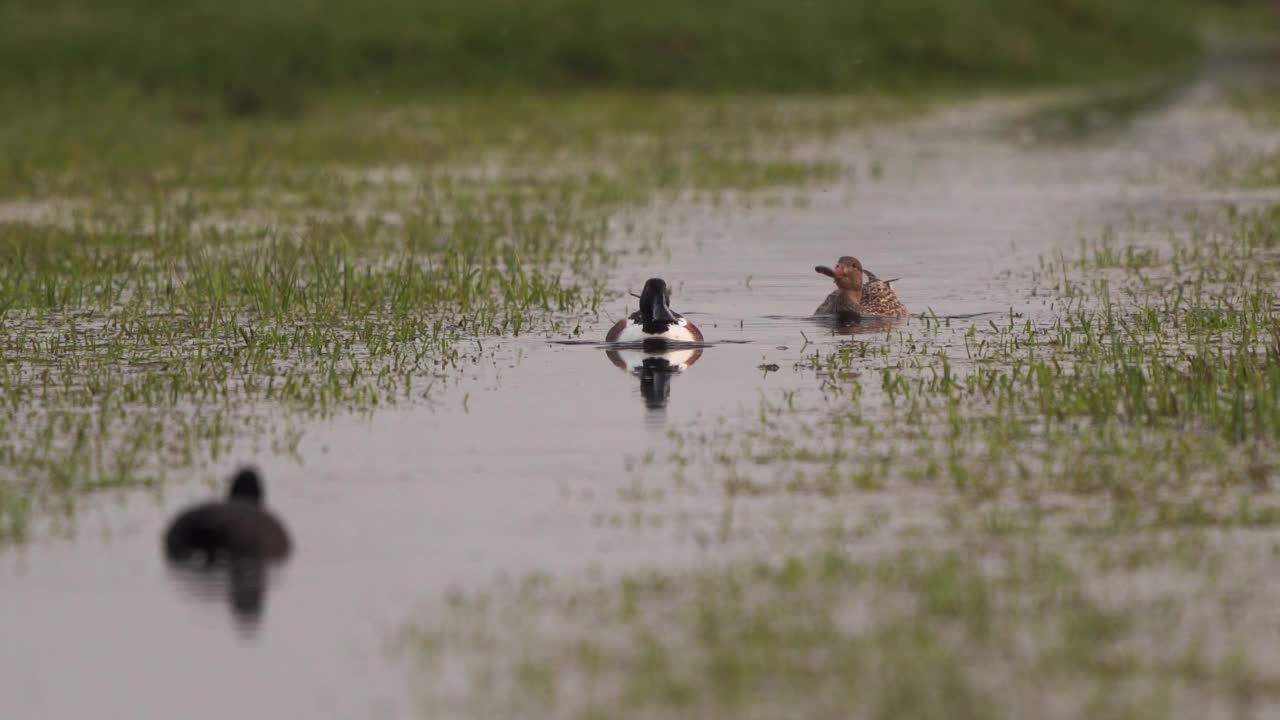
(238,527)
(859,292)
(655,320)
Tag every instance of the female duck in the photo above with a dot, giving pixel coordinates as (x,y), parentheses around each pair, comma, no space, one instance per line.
(854,298)
(238,527)
(655,320)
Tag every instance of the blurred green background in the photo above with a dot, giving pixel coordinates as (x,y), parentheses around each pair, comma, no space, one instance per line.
(251,56)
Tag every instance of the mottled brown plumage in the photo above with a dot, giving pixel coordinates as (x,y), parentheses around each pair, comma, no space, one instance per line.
(879,298)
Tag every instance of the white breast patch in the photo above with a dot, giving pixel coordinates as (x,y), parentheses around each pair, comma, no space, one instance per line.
(634,332)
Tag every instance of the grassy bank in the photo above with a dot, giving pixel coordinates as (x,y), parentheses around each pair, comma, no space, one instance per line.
(251,57)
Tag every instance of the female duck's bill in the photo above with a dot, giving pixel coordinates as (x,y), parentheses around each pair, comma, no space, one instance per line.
(655,320)
(238,527)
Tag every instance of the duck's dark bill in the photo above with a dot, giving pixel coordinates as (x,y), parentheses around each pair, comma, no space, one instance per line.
(659,315)
(825,270)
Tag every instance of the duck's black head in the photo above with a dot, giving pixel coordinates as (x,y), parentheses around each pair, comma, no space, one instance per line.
(246,486)
(653,303)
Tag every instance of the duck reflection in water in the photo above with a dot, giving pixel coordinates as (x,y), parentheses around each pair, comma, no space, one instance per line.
(866,325)
(241,583)
(656,365)
(226,548)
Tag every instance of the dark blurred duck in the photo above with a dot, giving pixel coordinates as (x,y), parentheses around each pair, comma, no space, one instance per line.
(236,528)
(655,320)
(859,293)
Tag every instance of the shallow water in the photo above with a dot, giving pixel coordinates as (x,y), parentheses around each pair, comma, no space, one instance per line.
(525,464)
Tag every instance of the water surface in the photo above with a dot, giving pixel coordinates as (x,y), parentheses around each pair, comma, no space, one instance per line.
(523,465)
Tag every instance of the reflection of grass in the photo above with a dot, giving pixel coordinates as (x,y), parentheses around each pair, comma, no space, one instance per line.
(250,57)
(1105,465)
(168,289)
